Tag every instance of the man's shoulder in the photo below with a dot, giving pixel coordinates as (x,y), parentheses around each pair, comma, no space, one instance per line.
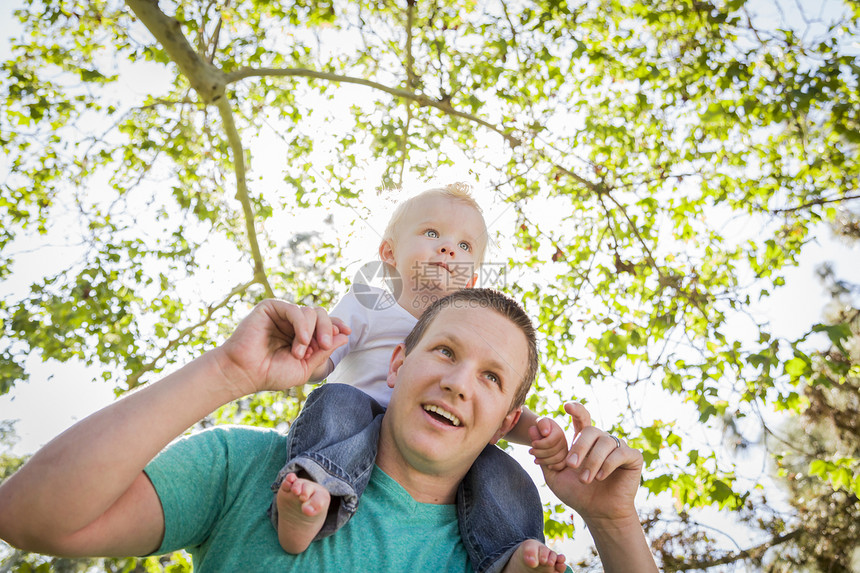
(237,431)
(233,440)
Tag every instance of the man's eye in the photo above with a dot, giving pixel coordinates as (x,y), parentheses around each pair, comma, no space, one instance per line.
(493,378)
(445,351)
(431,233)
(465,246)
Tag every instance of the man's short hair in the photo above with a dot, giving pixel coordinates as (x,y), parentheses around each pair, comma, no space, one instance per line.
(457,191)
(494,300)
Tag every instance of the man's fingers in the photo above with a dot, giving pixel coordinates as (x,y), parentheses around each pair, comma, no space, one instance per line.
(589,446)
(596,455)
(297,328)
(304,325)
(623,457)
(323,329)
(602,448)
(579,416)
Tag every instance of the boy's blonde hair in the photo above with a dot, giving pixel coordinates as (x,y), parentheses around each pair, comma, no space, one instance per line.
(458,191)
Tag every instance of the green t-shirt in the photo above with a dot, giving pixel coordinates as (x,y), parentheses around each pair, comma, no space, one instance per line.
(214,490)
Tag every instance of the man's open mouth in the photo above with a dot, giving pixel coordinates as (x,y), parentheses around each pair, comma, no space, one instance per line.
(442,415)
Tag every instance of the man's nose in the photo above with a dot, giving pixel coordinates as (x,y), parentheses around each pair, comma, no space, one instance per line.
(458,381)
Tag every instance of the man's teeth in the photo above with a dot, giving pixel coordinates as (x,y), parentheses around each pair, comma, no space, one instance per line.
(444,413)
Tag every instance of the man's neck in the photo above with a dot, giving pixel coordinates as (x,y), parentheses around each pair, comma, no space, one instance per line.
(423,485)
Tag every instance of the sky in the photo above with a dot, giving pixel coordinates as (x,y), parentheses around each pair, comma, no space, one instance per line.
(791,311)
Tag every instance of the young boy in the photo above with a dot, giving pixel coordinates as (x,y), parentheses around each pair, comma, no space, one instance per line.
(435,242)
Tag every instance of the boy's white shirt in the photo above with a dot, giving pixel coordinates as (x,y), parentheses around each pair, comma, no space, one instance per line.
(363,361)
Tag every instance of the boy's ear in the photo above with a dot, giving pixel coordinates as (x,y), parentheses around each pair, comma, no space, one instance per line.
(396,362)
(386,252)
(507,424)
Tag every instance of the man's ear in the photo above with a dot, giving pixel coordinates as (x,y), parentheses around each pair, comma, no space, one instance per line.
(507,424)
(396,362)
(386,252)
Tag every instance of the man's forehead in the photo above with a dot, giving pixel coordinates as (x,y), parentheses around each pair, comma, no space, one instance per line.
(466,321)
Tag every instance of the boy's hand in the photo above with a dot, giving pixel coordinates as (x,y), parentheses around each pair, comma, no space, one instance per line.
(600,477)
(549,445)
(314,330)
(277,346)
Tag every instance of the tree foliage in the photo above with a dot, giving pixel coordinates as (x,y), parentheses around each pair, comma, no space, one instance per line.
(687,149)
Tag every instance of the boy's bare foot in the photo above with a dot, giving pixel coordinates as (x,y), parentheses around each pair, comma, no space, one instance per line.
(533,556)
(302,507)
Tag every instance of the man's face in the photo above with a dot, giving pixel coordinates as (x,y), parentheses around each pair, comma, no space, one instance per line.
(453,392)
(438,245)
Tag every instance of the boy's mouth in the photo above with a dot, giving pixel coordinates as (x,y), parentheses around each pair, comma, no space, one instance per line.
(442,415)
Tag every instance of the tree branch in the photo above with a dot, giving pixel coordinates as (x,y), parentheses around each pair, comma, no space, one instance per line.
(814,204)
(242,191)
(421,99)
(412,80)
(751,553)
(404,144)
(207,80)
(210,83)
(215,39)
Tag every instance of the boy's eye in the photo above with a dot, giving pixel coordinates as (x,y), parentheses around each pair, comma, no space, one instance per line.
(431,233)
(465,246)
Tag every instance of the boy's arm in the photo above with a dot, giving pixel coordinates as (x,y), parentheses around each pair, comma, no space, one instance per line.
(322,372)
(519,434)
(85,493)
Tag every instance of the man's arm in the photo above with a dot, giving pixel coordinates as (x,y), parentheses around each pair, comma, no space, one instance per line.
(600,482)
(85,493)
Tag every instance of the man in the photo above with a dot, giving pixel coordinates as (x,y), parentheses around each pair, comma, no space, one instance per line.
(95,490)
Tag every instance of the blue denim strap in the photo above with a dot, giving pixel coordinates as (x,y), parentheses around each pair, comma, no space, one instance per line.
(499,507)
(334,440)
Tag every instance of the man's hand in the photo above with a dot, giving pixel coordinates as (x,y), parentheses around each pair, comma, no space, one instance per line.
(278,346)
(600,478)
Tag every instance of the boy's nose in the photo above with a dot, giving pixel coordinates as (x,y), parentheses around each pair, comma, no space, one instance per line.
(447,250)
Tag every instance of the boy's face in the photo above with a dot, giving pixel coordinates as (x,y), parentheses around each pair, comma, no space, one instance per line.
(437,246)
(453,392)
